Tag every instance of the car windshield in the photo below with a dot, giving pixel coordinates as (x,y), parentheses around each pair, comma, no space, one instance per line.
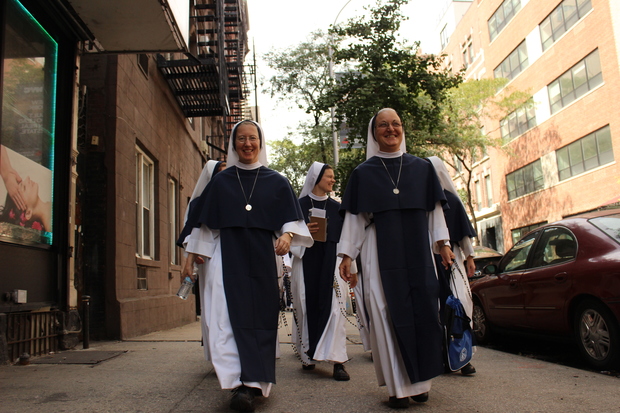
(610,225)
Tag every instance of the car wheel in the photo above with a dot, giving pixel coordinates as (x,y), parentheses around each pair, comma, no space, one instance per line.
(596,332)
(482,330)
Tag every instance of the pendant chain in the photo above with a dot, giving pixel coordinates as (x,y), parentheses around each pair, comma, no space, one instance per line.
(395,190)
(312,202)
(248,207)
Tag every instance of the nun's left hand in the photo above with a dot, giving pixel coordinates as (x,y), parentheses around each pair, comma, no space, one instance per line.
(283,244)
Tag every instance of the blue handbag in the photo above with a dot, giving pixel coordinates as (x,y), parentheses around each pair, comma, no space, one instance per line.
(459,340)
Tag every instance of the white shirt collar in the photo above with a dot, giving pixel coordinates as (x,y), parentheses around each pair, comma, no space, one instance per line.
(248,167)
(318,198)
(389,155)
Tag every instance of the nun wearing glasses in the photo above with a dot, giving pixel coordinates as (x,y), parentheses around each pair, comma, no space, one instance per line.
(394,222)
(245,214)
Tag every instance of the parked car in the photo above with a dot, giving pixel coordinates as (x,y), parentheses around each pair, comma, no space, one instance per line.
(561,279)
(484,256)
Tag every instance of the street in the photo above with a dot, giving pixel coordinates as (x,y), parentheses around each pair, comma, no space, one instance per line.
(166,372)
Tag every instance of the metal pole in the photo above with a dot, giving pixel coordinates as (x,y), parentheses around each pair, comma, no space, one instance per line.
(335,139)
(86,322)
(255,84)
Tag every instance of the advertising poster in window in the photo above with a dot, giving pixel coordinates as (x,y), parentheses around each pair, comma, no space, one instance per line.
(29,64)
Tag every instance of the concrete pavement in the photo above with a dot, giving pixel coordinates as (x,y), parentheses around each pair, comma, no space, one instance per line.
(166,372)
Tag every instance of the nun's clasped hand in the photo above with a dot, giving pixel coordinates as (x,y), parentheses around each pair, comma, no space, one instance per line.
(283,244)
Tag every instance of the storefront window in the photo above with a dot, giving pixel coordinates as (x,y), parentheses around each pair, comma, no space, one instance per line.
(29,64)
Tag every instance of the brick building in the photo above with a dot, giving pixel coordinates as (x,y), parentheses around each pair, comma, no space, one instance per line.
(110,109)
(558,157)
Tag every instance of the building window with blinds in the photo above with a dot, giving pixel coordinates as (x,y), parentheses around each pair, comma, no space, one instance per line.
(145,205)
(586,153)
(518,122)
(561,19)
(173,208)
(575,82)
(502,16)
(515,63)
(525,180)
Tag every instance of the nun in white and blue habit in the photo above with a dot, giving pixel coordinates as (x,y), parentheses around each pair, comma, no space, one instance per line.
(236,224)
(461,234)
(394,222)
(319,294)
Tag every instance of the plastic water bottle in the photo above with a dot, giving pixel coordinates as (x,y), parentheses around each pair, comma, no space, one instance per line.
(186,286)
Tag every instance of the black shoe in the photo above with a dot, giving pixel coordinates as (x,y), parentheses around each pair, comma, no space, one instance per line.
(308,366)
(420,398)
(468,370)
(243,399)
(340,373)
(396,403)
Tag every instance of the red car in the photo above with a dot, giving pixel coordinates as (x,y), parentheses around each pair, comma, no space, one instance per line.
(560,279)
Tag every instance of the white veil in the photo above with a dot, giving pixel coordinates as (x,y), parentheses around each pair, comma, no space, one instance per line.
(443,175)
(233,158)
(203,180)
(372,146)
(311,178)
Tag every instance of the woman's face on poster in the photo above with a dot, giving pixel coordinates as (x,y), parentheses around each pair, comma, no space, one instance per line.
(30,191)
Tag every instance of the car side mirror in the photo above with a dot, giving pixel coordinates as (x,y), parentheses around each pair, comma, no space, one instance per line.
(490,269)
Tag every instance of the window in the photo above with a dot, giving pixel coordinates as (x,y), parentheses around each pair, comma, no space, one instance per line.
(576,82)
(468,52)
(516,258)
(145,213)
(610,225)
(443,37)
(556,246)
(502,16)
(29,95)
(173,207)
(561,19)
(514,64)
(458,164)
(489,190)
(478,195)
(518,122)
(525,180)
(143,63)
(587,153)
(142,280)
(518,233)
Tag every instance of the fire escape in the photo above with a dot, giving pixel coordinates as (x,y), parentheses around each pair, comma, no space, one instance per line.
(211,80)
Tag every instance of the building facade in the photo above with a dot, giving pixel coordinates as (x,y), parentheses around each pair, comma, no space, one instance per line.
(558,156)
(109,111)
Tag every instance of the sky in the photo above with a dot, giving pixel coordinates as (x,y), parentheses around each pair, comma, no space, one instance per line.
(279,24)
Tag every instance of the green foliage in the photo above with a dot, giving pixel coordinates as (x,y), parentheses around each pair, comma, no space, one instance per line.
(386,73)
(302,76)
(293,160)
(302,72)
(462,137)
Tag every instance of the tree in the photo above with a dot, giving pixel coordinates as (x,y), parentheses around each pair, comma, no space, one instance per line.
(303,76)
(293,160)
(462,138)
(386,72)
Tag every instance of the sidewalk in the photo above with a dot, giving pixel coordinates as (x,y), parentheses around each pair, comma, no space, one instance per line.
(166,372)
